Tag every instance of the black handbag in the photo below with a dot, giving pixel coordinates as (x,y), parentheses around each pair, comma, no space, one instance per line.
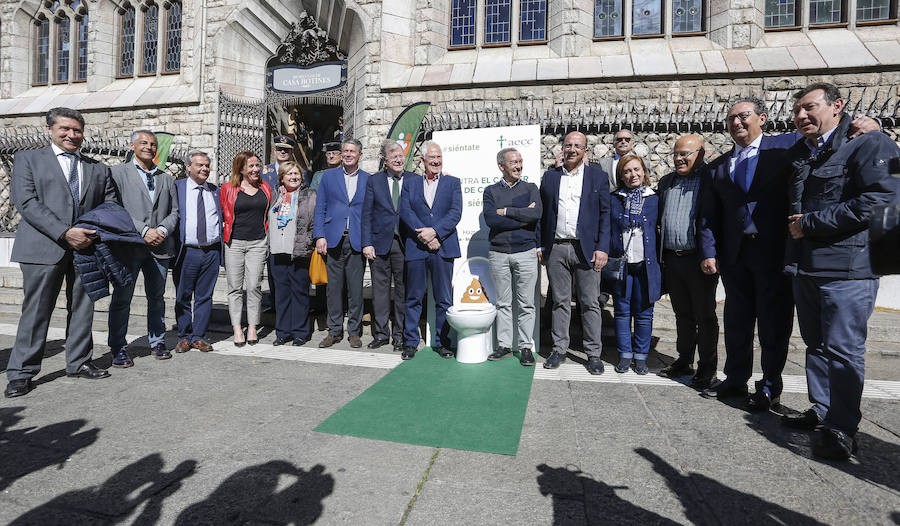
(612,274)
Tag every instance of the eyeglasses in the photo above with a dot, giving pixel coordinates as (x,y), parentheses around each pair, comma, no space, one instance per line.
(570,146)
(685,155)
(742,116)
(623,139)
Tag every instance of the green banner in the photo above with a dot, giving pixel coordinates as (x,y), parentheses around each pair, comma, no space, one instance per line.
(406,129)
(163,146)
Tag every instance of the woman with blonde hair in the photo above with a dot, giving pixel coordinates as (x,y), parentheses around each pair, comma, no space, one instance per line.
(245,201)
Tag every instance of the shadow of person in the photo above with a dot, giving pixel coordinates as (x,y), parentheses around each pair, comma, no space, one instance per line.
(878,461)
(252,495)
(580,499)
(708,501)
(114,500)
(51,348)
(29,449)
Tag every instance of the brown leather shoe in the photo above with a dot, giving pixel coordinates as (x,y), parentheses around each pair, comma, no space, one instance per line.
(202,346)
(184,345)
(329,340)
(355,342)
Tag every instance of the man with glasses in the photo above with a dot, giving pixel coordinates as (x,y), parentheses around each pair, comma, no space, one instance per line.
(692,293)
(623,144)
(573,237)
(743,237)
(382,240)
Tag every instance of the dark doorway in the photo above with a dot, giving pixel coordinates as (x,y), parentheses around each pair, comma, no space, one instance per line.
(311,125)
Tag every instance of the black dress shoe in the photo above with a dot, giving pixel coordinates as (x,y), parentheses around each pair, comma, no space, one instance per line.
(808,420)
(300,341)
(398,347)
(554,360)
(17,388)
(761,401)
(377,342)
(281,341)
(408,353)
(701,384)
(724,390)
(835,445)
(594,365)
(89,371)
(499,354)
(676,370)
(526,358)
(444,352)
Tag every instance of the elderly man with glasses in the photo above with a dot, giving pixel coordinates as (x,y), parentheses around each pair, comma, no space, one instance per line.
(623,144)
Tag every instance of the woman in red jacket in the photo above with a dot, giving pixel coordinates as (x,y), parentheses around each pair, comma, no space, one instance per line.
(245,201)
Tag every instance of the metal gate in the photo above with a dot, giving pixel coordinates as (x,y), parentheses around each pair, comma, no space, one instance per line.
(242,126)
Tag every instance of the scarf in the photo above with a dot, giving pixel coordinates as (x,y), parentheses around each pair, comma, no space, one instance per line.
(284,213)
(634,203)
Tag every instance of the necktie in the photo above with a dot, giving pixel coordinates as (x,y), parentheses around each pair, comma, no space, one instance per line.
(395,191)
(201,219)
(74,188)
(150,183)
(740,170)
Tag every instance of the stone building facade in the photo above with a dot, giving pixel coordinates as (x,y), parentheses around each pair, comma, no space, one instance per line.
(399,52)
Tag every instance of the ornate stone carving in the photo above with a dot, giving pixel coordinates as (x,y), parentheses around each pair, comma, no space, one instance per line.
(306,44)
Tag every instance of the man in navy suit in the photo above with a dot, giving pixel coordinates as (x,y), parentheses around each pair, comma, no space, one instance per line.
(199,254)
(336,227)
(430,209)
(573,236)
(383,244)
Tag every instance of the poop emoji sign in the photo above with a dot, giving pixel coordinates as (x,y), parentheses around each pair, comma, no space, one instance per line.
(474,293)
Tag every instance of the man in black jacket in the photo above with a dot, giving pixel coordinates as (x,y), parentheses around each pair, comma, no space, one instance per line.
(835,185)
(512,208)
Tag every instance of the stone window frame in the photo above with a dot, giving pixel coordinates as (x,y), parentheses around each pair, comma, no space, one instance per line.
(515,23)
(54,13)
(667,10)
(162,26)
(849,18)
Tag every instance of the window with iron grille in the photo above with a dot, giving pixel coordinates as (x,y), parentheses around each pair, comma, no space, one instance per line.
(533,21)
(149,41)
(462,23)
(873,10)
(63,51)
(173,38)
(781,13)
(825,12)
(42,52)
(496,21)
(126,42)
(81,48)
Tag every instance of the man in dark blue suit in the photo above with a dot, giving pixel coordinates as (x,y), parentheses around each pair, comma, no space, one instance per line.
(383,244)
(573,236)
(742,237)
(336,227)
(430,209)
(835,185)
(199,254)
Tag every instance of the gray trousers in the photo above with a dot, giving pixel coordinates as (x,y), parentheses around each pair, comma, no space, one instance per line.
(41,284)
(345,266)
(562,265)
(383,269)
(244,261)
(515,274)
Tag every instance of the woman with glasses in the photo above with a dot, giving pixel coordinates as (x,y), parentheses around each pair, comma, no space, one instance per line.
(290,246)
(245,200)
(634,210)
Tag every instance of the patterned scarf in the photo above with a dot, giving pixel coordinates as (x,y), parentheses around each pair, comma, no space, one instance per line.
(284,212)
(634,203)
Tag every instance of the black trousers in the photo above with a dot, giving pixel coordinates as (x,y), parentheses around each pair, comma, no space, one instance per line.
(384,269)
(693,297)
(345,267)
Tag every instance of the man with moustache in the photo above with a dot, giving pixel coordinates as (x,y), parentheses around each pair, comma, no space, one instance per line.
(51,187)
(336,227)
(199,254)
(382,242)
(623,144)
(148,194)
(692,293)
(512,209)
(430,209)
(835,185)
(573,237)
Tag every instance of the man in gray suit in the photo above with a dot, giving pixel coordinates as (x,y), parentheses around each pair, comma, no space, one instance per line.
(51,187)
(149,196)
(623,145)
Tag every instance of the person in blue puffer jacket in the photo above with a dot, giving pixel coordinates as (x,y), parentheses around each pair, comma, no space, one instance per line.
(101,263)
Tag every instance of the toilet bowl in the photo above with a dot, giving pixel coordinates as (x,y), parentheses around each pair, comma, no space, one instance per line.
(472,314)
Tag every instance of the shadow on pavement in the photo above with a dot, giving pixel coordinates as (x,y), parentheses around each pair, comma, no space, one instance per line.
(252,495)
(143,482)
(580,499)
(878,461)
(708,501)
(29,449)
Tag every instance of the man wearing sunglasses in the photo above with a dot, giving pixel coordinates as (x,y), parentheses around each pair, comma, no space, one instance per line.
(623,144)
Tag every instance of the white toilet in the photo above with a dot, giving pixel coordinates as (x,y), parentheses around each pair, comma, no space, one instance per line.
(472,313)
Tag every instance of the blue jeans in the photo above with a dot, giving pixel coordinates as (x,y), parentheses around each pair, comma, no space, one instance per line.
(120,307)
(833,316)
(631,301)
